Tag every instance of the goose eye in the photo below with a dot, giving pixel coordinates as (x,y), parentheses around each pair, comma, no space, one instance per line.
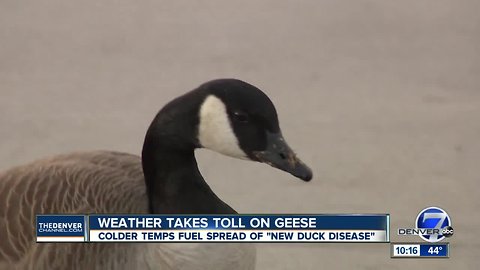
(240,117)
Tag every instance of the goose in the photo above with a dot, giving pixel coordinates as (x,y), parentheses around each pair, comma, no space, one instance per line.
(228,116)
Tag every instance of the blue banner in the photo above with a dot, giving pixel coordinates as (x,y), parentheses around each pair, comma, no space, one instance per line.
(245,222)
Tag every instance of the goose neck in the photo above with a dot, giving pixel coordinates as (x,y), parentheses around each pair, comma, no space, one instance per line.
(173,180)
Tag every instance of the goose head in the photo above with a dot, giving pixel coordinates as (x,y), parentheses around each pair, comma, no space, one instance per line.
(228,116)
(237,119)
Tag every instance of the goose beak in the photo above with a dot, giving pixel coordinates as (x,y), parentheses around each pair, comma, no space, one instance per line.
(279,155)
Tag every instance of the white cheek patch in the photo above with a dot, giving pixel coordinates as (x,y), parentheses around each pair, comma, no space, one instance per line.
(215,131)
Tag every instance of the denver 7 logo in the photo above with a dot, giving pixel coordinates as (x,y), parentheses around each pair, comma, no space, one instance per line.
(433,218)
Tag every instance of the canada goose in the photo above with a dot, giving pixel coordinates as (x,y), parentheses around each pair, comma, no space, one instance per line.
(227,115)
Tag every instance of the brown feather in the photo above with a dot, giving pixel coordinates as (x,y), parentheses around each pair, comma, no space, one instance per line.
(92,182)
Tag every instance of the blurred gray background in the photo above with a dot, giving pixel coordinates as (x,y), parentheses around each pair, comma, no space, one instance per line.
(381,98)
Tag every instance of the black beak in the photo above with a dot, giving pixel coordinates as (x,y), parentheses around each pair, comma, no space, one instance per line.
(279,155)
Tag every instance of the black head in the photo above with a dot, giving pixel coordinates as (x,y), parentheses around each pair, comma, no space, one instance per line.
(239,120)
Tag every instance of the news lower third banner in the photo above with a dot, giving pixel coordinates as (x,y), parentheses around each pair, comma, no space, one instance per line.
(214,228)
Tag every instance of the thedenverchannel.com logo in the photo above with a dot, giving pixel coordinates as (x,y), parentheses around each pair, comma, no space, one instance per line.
(432,224)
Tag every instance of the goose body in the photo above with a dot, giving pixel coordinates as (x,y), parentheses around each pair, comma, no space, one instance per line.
(81,182)
(164,180)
